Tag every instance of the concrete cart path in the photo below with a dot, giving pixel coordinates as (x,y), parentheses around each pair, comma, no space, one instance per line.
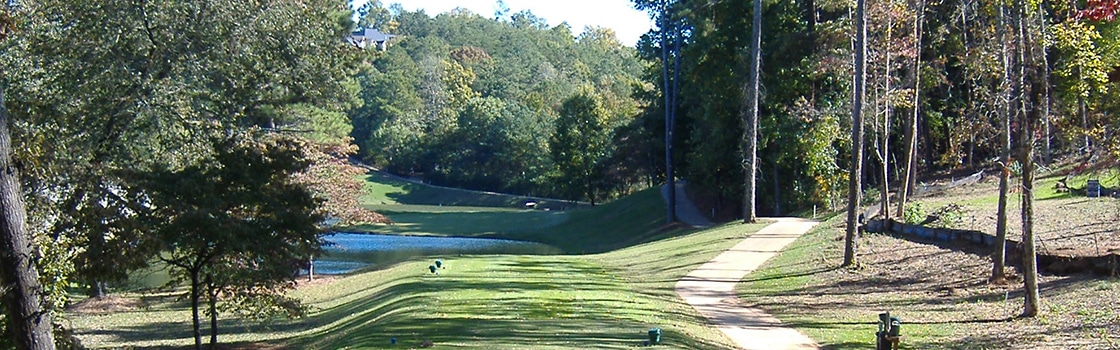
(710,289)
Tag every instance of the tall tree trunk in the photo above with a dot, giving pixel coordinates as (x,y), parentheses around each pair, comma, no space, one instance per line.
(750,130)
(999,249)
(311,269)
(1046,98)
(856,168)
(212,299)
(884,136)
(905,187)
(670,181)
(1031,298)
(196,292)
(1083,112)
(28,320)
(777,191)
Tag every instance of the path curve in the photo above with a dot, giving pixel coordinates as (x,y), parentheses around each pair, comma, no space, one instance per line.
(686,211)
(710,289)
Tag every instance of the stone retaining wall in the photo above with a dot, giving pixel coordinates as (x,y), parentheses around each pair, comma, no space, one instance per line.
(1058,264)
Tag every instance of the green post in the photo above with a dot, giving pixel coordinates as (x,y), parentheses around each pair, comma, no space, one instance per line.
(654,336)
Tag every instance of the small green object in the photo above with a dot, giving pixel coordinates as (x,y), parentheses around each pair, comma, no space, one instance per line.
(896,326)
(432,268)
(654,336)
(439,263)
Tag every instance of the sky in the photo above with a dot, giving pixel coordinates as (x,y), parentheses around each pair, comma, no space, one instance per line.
(628,24)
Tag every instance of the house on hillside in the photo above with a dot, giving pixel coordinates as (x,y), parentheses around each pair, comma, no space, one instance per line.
(367,37)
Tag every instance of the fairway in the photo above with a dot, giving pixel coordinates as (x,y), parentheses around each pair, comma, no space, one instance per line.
(605,300)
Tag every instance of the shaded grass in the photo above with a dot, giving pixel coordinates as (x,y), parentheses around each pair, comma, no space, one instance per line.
(622,223)
(382,189)
(604,301)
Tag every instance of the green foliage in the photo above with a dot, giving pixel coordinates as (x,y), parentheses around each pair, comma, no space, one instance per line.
(236,222)
(1080,68)
(915,213)
(468,101)
(581,144)
(103,90)
(949,216)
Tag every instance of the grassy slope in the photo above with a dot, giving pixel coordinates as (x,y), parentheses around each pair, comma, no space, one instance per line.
(607,300)
(416,210)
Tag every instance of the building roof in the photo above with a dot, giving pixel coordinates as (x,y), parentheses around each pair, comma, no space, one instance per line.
(372,35)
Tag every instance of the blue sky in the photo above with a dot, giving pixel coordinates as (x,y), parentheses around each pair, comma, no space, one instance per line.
(629,24)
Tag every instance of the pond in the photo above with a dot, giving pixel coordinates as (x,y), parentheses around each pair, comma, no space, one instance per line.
(353,251)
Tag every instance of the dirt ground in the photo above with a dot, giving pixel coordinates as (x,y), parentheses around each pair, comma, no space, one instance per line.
(1074,225)
(947,286)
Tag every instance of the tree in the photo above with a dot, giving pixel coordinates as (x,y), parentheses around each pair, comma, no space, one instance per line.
(581,142)
(187,69)
(1027,90)
(670,30)
(911,143)
(236,212)
(999,250)
(750,118)
(855,169)
(27,318)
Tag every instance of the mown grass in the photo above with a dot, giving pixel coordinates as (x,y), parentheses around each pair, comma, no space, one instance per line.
(383,191)
(580,230)
(606,300)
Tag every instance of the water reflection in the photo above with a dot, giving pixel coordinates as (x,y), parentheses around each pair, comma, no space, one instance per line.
(353,251)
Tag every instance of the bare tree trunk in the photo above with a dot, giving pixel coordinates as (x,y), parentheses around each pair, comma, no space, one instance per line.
(1030,262)
(906,186)
(28,320)
(999,249)
(670,181)
(212,296)
(884,185)
(856,168)
(750,131)
(1083,111)
(195,297)
(310,269)
(1046,98)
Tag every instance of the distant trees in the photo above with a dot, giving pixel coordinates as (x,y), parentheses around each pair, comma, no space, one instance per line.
(580,145)
(469,101)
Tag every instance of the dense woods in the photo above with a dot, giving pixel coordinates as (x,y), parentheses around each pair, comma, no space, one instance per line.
(507,104)
(139,133)
(934,84)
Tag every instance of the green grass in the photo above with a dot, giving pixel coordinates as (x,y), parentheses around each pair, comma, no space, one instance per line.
(383,190)
(604,301)
(607,300)
(581,230)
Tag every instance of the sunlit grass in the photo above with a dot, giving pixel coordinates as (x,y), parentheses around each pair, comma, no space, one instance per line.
(607,300)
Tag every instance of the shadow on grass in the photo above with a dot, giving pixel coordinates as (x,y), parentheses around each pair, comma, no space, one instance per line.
(581,314)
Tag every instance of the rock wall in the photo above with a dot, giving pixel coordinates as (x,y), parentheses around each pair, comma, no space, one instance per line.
(1058,264)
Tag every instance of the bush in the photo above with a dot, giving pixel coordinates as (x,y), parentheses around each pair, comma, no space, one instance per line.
(914,213)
